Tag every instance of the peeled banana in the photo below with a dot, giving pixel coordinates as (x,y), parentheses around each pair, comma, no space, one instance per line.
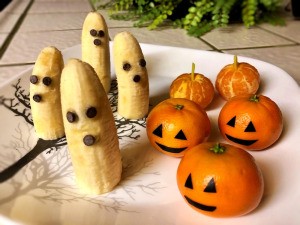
(132,77)
(45,94)
(90,129)
(95,47)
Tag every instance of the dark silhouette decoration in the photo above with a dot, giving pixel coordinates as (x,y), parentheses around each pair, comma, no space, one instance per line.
(20,106)
(49,172)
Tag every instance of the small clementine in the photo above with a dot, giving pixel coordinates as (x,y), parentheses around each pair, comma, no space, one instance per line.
(176,124)
(251,122)
(193,86)
(237,79)
(220,180)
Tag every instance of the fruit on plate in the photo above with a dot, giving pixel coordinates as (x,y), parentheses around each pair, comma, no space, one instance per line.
(251,122)
(90,129)
(193,86)
(45,94)
(177,124)
(95,47)
(132,77)
(220,180)
(237,79)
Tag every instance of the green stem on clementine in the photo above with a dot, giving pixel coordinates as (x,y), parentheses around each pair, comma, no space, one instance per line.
(254,98)
(218,148)
(193,71)
(178,107)
(235,62)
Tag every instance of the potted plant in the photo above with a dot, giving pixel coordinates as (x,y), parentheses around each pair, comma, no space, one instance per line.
(195,16)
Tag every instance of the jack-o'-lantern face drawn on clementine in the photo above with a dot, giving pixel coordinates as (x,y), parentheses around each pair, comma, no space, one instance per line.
(219,180)
(240,127)
(168,133)
(210,188)
(177,124)
(250,122)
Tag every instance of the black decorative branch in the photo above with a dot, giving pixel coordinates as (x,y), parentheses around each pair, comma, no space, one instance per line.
(40,146)
(47,173)
(21,96)
(20,106)
(126,128)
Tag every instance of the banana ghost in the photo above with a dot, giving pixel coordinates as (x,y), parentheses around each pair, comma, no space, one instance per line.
(132,77)
(95,47)
(90,129)
(45,94)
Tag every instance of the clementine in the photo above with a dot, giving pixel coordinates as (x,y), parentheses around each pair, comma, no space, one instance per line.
(177,124)
(251,122)
(237,79)
(193,86)
(220,180)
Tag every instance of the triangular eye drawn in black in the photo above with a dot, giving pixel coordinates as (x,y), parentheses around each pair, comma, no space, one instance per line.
(211,186)
(158,131)
(232,122)
(188,182)
(180,135)
(250,127)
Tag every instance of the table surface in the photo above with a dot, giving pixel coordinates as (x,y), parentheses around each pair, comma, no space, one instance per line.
(27,26)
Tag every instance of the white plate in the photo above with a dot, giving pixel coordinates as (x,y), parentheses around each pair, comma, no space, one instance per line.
(43,190)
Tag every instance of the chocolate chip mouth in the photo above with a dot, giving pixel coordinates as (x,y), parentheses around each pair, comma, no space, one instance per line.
(137,78)
(89,140)
(97,42)
(37,98)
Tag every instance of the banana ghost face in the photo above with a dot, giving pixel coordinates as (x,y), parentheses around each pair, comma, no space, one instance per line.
(84,106)
(136,71)
(90,129)
(45,94)
(95,47)
(98,35)
(132,77)
(84,116)
(35,79)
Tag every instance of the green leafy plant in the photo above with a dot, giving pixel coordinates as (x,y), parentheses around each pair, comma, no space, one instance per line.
(197,17)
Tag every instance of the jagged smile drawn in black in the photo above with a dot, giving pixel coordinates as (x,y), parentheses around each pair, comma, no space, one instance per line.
(241,141)
(200,206)
(179,136)
(170,149)
(250,128)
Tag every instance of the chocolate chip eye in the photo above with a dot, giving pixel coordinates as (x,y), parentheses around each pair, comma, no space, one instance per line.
(91,112)
(89,140)
(97,42)
(71,117)
(37,98)
(47,81)
(101,33)
(136,78)
(126,66)
(93,32)
(33,79)
(142,62)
